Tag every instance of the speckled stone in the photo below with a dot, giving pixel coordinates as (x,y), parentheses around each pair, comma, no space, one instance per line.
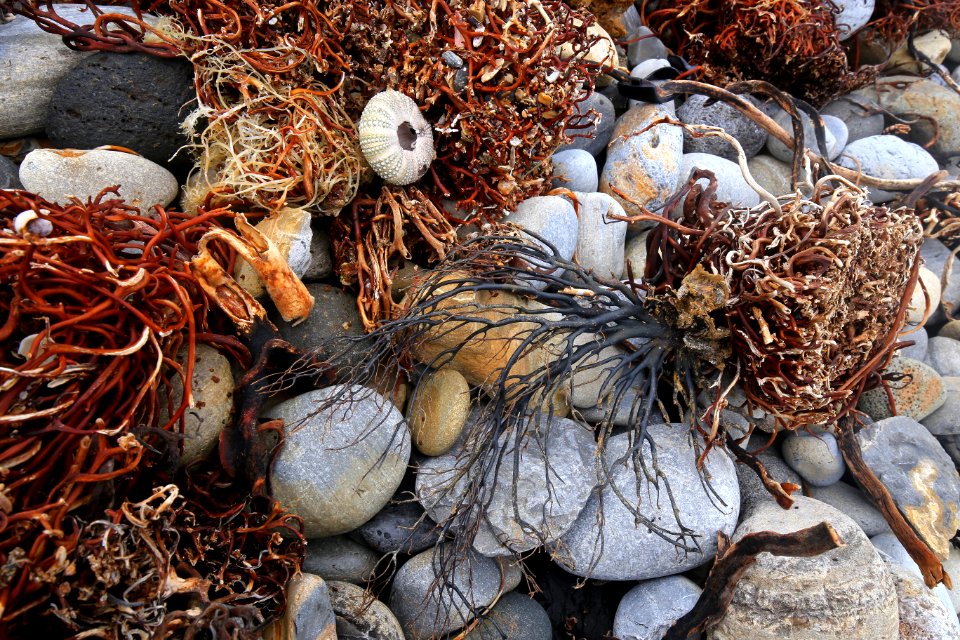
(919,474)
(290,231)
(922,615)
(719,114)
(650,608)
(401,526)
(923,97)
(732,188)
(344,455)
(645,167)
(622,549)
(514,617)
(427,607)
(57,174)
(334,316)
(592,124)
(843,593)
(916,396)
(816,458)
(8,174)
(321,259)
(438,411)
(854,503)
(340,558)
(212,387)
(360,616)
(945,421)
(576,170)
(943,354)
(309,614)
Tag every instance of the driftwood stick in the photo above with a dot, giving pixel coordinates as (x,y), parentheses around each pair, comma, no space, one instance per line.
(733,558)
(930,565)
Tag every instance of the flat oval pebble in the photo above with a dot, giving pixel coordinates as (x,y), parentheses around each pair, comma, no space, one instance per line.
(59,174)
(344,455)
(576,170)
(719,114)
(308,614)
(887,157)
(910,96)
(552,218)
(622,548)
(917,395)
(438,411)
(945,421)
(360,616)
(732,188)
(601,237)
(645,167)
(816,458)
(649,609)
(771,174)
(514,617)
(943,354)
(340,558)
(400,527)
(853,15)
(860,113)
(591,125)
(780,151)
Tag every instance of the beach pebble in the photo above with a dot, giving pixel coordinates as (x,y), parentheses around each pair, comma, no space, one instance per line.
(104,100)
(643,166)
(935,45)
(592,374)
(344,455)
(856,109)
(334,315)
(622,548)
(552,218)
(920,339)
(943,354)
(945,421)
(290,231)
(340,558)
(644,45)
(360,616)
(642,71)
(212,388)
(600,238)
(427,607)
(650,608)
(923,615)
(547,502)
(514,617)
(321,259)
(842,593)
(719,114)
(780,151)
(935,257)
(853,503)
(401,526)
(950,330)
(576,170)
(917,395)
(771,174)
(887,157)
(892,550)
(9,178)
(910,97)
(838,128)
(952,565)
(58,174)
(635,254)
(591,125)
(731,186)
(853,15)
(816,458)
(308,615)
(438,411)
(927,292)
(919,475)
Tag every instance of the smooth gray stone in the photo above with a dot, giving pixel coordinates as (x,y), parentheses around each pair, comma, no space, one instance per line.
(752,491)
(816,458)
(732,188)
(842,593)
(771,174)
(935,257)
(943,354)
(887,157)
(403,527)
(212,388)
(855,111)
(719,114)
(552,218)
(359,616)
(601,238)
(648,610)
(853,15)
(576,170)
(309,614)
(344,455)
(622,549)
(514,617)
(920,339)
(780,151)
(644,45)
(9,178)
(427,607)
(332,321)
(591,131)
(919,475)
(945,421)
(838,128)
(321,258)
(340,558)
(854,503)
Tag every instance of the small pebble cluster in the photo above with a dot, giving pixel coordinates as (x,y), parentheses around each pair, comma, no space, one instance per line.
(370,500)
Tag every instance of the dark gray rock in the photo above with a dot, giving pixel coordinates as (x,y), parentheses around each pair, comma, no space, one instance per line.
(514,617)
(651,607)
(919,475)
(843,593)
(592,127)
(344,455)
(334,316)
(945,421)
(321,258)
(8,174)
(132,100)
(719,114)
(607,543)
(340,558)
(856,111)
(400,527)
(920,339)
(427,607)
(943,354)
(951,444)
(752,491)
(853,503)
(360,616)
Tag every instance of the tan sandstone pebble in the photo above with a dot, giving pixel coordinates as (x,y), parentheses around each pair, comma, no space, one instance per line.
(438,411)
(917,395)
(950,330)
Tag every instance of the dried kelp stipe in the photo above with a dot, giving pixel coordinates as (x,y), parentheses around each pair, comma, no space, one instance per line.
(793,44)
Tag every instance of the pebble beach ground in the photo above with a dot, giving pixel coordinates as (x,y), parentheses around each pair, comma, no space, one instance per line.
(370,500)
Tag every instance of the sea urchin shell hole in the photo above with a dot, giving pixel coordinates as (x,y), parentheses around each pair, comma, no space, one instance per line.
(395,138)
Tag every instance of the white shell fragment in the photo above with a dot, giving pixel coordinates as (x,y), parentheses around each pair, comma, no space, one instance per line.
(27,222)
(395,138)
